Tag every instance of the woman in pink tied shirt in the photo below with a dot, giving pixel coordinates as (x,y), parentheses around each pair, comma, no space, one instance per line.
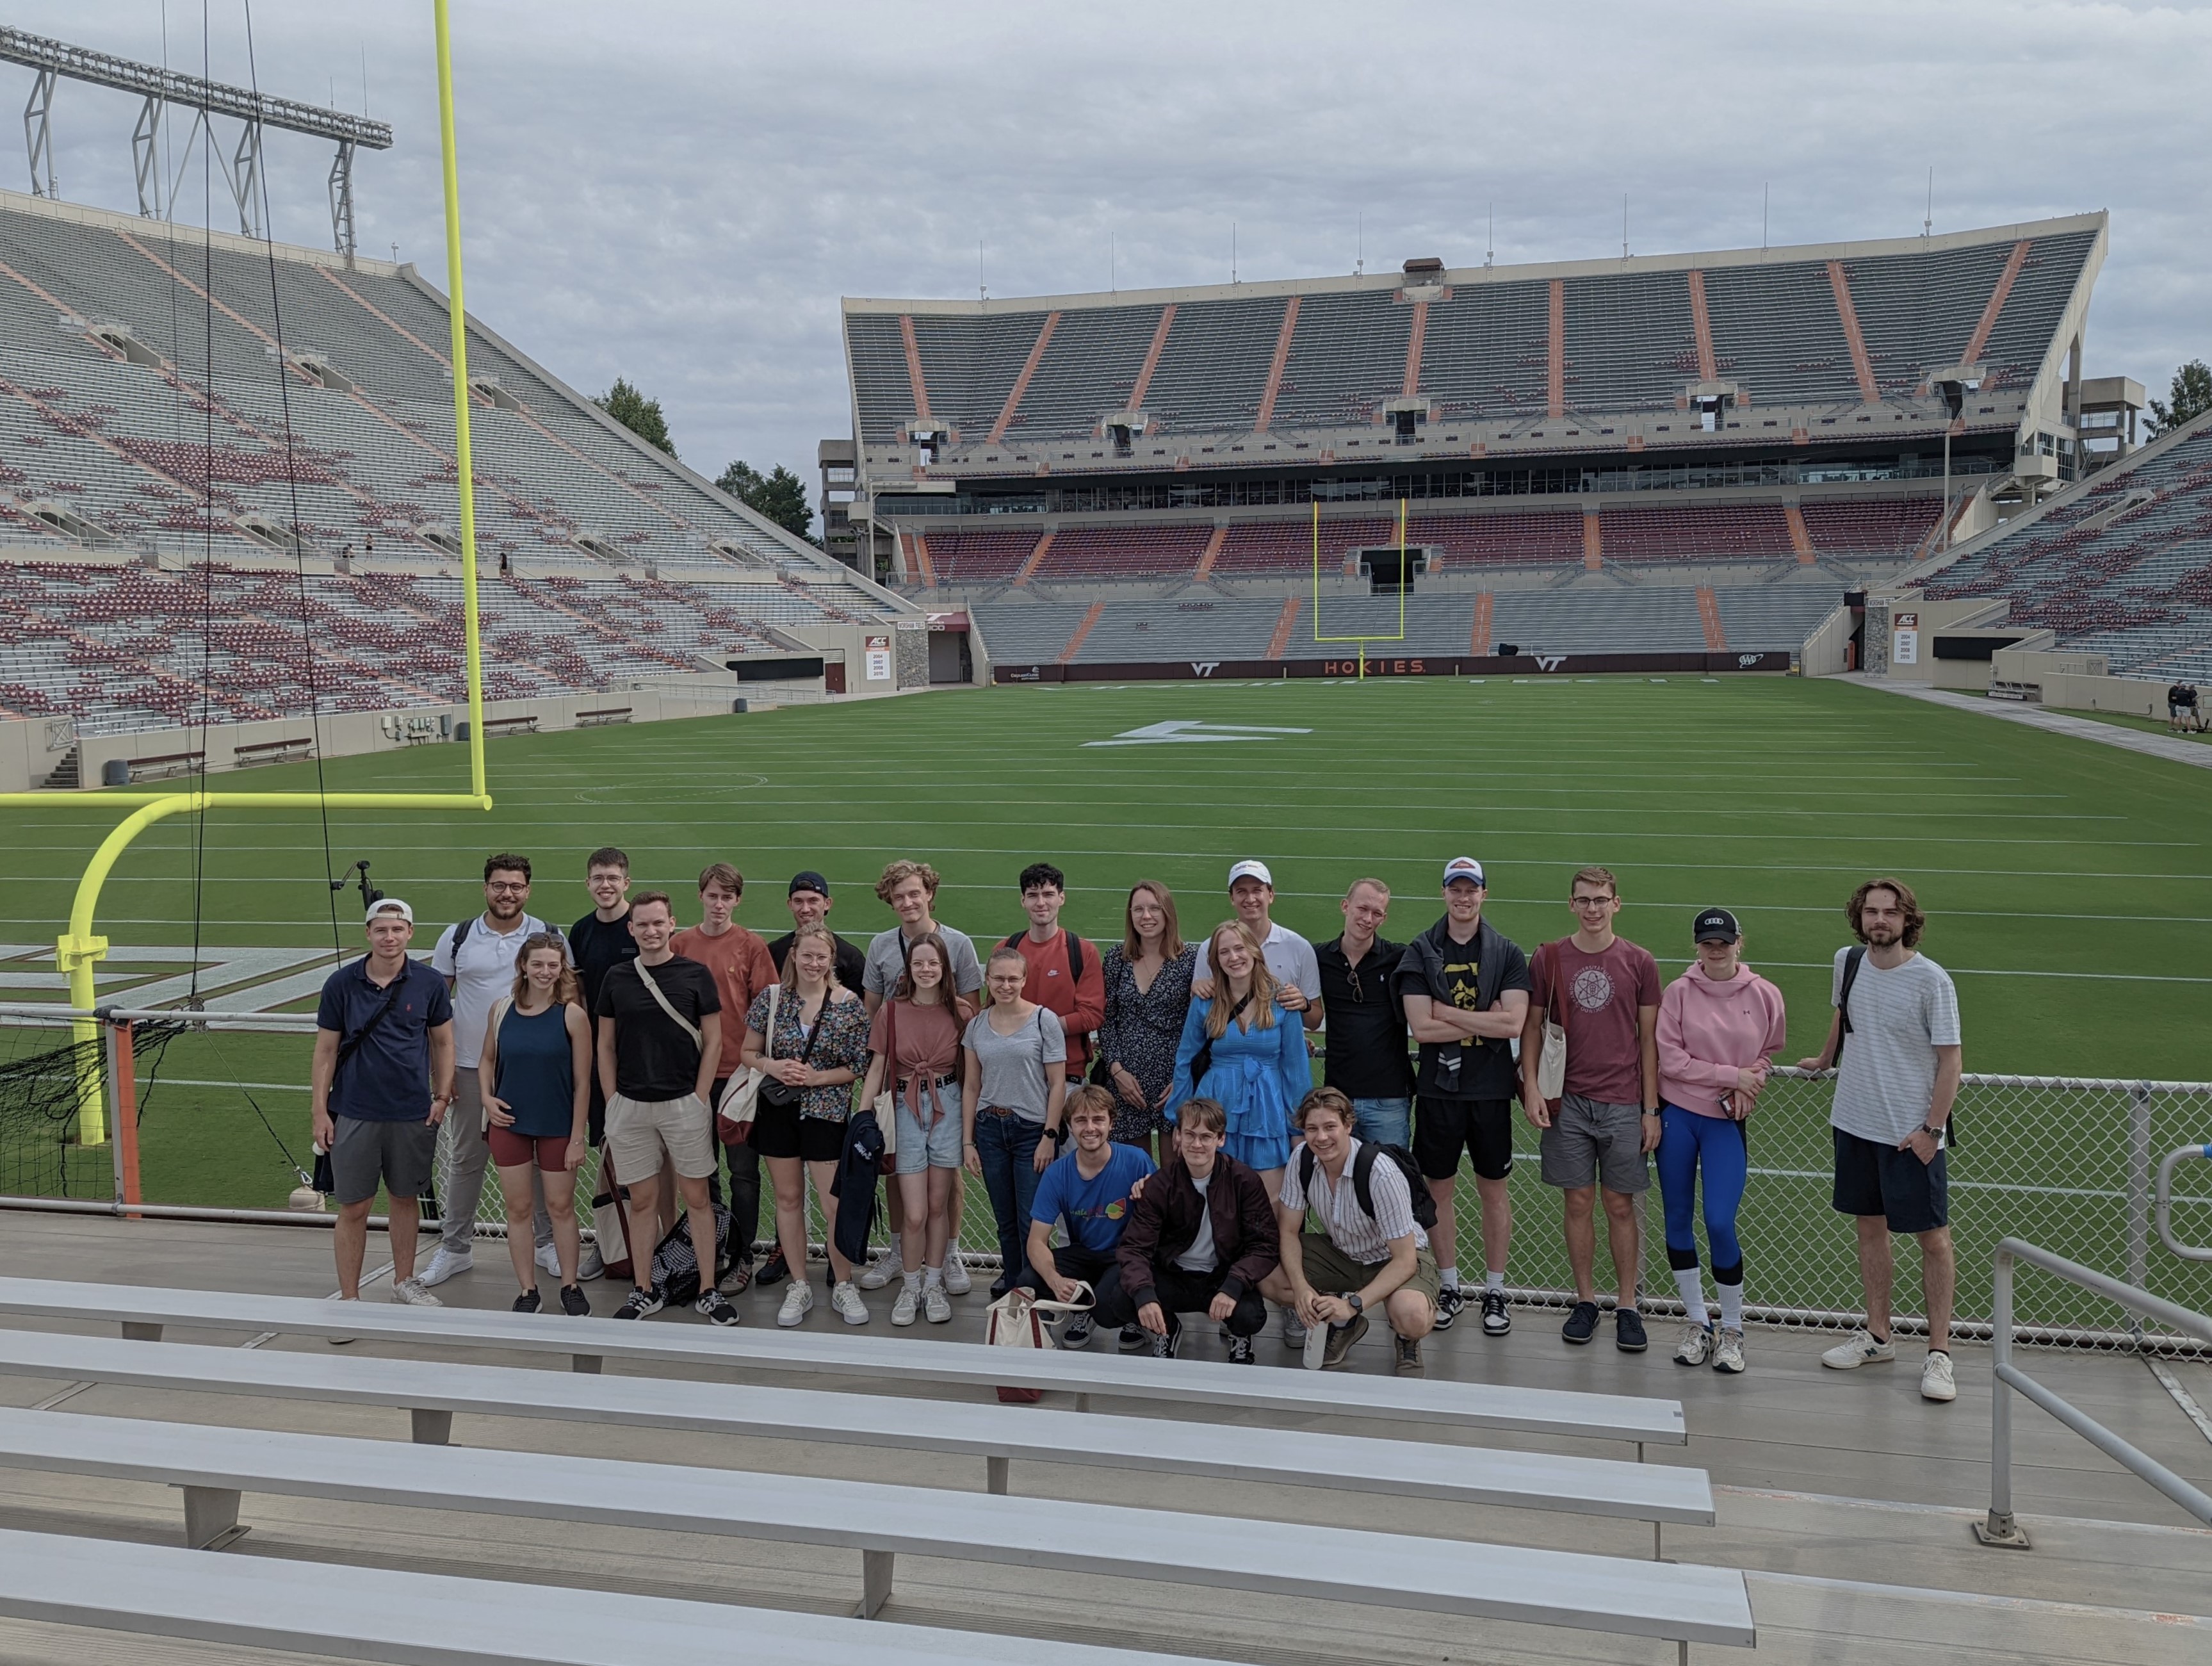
(1720,1023)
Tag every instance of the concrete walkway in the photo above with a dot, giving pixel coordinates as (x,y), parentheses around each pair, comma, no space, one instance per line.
(2172,748)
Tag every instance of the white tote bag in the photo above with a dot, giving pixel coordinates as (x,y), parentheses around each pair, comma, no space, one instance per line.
(1017,1320)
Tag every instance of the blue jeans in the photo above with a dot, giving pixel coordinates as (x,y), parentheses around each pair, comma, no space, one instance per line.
(1007,1147)
(1383,1122)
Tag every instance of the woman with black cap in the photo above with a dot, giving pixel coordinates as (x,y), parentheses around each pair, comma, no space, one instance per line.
(1720,1023)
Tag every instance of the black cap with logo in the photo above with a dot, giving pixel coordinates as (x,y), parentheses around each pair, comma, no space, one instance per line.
(810,881)
(1716,925)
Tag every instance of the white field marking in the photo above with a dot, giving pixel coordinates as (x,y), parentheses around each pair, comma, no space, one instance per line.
(2000,971)
(1176,731)
(258,1087)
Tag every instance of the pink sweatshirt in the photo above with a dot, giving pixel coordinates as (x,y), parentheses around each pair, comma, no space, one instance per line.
(1708,1030)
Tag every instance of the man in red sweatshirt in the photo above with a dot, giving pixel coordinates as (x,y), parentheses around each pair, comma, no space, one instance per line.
(1066,975)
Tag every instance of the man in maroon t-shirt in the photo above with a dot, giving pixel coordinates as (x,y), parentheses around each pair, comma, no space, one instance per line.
(1603,991)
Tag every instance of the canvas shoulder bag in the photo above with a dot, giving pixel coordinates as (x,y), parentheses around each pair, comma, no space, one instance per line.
(1552,1063)
(885,1103)
(741,1098)
(1019,1319)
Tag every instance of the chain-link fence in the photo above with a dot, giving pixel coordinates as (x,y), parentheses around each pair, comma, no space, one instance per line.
(217,1101)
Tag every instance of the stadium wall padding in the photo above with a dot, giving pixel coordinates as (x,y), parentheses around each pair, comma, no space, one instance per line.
(1548,664)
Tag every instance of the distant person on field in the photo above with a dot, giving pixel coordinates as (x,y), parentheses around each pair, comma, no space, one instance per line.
(1202,1237)
(1361,1258)
(813,1053)
(808,899)
(380,1082)
(1720,1025)
(742,968)
(1290,957)
(1013,1091)
(1087,1189)
(537,1065)
(477,957)
(1363,1051)
(908,889)
(1894,1042)
(658,1049)
(1464,985)
(913,1043)
(1147,976)
(2177,707)
(1604,992)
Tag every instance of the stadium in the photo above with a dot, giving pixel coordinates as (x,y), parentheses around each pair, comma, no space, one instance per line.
(1742,575)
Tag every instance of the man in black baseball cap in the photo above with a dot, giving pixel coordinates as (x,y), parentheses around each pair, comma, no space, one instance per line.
(809,900)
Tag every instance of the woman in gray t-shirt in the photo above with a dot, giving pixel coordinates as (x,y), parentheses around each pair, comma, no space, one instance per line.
(1012,1091)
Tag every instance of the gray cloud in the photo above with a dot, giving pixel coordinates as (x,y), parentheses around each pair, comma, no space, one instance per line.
(679,193)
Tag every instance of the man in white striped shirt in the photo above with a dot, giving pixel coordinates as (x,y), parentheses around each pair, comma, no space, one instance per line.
(1364,1248)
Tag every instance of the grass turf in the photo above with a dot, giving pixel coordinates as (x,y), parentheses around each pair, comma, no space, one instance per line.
(2063,880)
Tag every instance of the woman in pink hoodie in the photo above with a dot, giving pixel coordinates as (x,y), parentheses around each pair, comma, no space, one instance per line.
(1719,1025)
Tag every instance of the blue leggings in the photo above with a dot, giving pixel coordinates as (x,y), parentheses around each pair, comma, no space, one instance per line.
(1687,1143)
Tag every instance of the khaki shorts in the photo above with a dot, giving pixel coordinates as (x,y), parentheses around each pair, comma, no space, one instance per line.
(1333,1273)
(639,1130)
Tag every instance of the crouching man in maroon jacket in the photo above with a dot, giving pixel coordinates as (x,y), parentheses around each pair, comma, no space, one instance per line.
(1200,1237)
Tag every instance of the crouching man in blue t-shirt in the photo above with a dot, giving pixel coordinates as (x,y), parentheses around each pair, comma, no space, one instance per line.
(1089,1190)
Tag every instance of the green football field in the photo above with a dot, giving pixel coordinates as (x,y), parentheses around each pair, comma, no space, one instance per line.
(2067,883)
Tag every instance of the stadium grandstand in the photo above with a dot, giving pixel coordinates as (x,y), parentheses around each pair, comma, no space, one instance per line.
(1673,455)
(227,474)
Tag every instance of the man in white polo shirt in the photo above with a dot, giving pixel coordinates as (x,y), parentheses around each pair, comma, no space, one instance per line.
(1290,957)
(477,957)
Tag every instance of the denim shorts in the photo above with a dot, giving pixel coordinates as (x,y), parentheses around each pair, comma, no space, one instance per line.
(934,1148)
(1383,1122)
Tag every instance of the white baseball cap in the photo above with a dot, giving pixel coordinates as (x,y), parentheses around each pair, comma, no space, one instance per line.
(1249,869)
(389,905)
(1465,868)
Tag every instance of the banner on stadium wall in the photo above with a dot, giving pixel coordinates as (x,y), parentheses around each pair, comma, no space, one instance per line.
(878,668)
(1905,639)
(1537,665)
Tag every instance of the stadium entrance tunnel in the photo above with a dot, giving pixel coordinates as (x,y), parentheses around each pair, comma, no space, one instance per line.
(1392,569)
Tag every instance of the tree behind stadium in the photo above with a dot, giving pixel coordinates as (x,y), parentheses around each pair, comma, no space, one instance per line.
(780,494)
(641,416)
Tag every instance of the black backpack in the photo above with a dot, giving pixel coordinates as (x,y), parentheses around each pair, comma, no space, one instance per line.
(676,1264)
(1363,1179)
(1074,953)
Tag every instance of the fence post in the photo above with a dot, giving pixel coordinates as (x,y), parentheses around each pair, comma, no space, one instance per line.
(2139,1273)
(123,1109)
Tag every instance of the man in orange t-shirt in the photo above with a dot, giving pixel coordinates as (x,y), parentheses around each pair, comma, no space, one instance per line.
(739,961)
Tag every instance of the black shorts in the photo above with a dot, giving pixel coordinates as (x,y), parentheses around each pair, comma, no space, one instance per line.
(1482,1128)
(1874,1179)
(785,1133)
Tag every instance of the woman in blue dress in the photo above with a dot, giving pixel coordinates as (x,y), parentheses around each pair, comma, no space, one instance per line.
(1256,1069)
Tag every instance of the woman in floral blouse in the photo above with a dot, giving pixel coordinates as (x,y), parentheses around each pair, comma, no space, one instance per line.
(1147,993)
(817,1052)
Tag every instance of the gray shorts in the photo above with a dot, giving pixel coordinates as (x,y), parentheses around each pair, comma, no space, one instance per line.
(1590,1143)
(397,1154)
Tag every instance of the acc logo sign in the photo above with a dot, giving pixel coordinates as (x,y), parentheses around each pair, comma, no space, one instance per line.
(1204,667)
(1549,661)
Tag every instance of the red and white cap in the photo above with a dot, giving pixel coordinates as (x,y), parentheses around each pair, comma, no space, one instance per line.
(1465,868)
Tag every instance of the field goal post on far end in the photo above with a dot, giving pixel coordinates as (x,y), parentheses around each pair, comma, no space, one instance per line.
(1404,584)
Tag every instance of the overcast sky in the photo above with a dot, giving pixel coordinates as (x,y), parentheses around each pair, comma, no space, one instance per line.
(679,193)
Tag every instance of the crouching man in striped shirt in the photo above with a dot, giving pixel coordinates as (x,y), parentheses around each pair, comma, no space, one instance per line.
(1351,1241)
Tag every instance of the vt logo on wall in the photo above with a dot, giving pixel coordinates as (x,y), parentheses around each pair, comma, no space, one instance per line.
(1178,732)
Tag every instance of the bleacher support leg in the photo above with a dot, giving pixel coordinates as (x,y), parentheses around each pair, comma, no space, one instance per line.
(431,1428)
(136,1331)
(590,1365)
(996,1470)
(211,1517)
(875,1582)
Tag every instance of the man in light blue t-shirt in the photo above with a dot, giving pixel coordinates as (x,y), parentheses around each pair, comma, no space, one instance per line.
(1088,1190)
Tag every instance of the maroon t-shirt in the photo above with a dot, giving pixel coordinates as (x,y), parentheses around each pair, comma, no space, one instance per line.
(1594,998)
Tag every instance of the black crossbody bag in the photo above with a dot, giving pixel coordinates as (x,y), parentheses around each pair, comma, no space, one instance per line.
(1202,1061)
(324,1180)
(781,1095)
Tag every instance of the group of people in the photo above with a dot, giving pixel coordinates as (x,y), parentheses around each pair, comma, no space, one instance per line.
(1144,1120)
(2183,714)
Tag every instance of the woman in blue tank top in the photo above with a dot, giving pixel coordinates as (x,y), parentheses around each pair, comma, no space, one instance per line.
(537,1064)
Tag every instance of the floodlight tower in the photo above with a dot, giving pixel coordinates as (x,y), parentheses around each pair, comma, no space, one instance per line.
(1950,384)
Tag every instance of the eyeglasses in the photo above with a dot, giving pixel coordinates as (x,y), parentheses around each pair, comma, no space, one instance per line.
(1589,902)
(1359,993)
(506,885)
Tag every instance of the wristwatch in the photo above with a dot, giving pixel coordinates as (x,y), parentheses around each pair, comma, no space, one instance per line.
(1355,1302)
(1052,1134)
(1933,1132)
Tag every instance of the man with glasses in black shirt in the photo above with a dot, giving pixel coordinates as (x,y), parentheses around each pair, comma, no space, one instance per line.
(1364,1054)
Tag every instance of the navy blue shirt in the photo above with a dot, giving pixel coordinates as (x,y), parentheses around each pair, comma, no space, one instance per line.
(387,1077)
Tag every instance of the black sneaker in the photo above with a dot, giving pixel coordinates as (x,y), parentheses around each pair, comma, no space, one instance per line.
(529,1302)
(1240,1351)
(1449,1303)
(715,1308)
(641,1303)
(1628,1331)
(1165,1347)
(775,1271)
(1581,1325)
(1496,1321)
(575,1303)
(1134,1336)
(1076,1333)
(1409,1357)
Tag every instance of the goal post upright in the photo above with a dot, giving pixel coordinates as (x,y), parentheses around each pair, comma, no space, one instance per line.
(1402,587)
(79,949)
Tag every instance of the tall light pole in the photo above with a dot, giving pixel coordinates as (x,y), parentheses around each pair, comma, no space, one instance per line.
(1951,385)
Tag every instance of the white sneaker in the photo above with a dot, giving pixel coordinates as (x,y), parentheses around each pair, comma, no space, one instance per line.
(589,1266)
(888,1265)
(1728,1353)
(1696,1345)
(798,1303)
(956,1281)
(548,1258)
(446,1262)
(1294,1334)
(1936,1381)
(1860,1349)
(904,1309)
(848,1305)
(936,1307)
(413,1292)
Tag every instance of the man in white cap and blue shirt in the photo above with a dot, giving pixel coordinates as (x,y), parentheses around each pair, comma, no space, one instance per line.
(1289,957)
(1465,987)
